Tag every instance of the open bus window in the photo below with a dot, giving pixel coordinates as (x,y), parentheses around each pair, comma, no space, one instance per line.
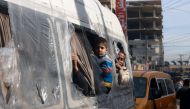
(82,72)
(5,30)
(120,63)
(101,63)
(8,60)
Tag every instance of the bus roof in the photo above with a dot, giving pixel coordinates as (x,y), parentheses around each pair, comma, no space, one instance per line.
(87,13)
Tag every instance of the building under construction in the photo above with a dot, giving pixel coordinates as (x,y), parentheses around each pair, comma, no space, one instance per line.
(145,32)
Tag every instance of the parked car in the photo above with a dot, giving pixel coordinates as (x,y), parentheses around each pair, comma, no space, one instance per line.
(154,90)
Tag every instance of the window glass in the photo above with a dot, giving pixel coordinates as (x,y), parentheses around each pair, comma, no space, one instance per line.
(140,86)
(162,87)
(100,61)
(34,39)
(90,77)
(118,49)
(170,86)
(122,67)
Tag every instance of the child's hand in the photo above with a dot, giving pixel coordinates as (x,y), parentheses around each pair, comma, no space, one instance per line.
(75,61)
(118,65)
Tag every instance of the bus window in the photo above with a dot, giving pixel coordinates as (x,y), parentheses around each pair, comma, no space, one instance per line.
(102,63)
(5,30)
(120,63)
(82,72)
(7,56)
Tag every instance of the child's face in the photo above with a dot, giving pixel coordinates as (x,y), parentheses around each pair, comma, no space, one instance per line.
(101,49)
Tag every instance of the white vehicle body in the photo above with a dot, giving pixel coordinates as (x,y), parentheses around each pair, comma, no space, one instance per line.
(41,31)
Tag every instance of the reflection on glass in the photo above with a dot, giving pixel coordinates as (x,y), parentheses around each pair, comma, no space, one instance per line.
(140,87)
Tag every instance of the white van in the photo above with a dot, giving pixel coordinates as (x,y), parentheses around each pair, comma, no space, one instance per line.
(37,58)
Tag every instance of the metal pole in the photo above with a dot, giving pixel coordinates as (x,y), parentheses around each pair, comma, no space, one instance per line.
(181,67)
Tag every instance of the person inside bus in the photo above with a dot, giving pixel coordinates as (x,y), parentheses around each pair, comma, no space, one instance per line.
(121,69)
(78,77)
(81,71)
(120,60)
(105,64)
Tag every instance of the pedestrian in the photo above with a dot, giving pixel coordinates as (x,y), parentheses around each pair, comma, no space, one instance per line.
(184,95)
(179,85)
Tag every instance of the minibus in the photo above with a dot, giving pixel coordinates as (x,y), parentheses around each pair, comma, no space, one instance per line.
(37,40)
(154,90)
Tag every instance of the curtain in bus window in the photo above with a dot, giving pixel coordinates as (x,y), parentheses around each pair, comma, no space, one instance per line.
(5,33)
(76,97)
(78,48)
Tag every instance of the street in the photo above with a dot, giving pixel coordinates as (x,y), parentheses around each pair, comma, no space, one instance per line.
(177,102)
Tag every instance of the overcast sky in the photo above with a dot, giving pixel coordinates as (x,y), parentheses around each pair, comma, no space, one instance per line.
(176,28)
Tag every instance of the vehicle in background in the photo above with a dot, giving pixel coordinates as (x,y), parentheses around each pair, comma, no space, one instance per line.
(154,90)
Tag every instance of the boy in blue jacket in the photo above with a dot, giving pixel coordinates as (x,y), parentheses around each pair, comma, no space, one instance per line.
(105,63)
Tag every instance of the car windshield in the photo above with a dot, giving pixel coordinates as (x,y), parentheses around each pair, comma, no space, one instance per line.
(140,87)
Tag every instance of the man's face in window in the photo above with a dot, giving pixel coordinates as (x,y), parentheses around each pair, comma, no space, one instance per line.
(121,58)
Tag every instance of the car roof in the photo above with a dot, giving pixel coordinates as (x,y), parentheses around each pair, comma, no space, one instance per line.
(148,74)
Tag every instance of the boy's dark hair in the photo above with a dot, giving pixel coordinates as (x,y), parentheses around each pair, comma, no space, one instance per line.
(101,40)
(186,82)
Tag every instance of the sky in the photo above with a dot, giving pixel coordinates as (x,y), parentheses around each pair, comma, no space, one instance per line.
(176,29)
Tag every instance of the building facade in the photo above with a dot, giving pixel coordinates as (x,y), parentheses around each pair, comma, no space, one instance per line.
(144,21)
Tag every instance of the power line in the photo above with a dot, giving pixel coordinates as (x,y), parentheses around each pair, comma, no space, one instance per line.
(176,46)
(170,3)
(174,6)
(177,37)
(185,11)
(177,40)
(173,38)
(179,34)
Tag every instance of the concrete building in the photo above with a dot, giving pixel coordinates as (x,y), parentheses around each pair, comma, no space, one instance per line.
(145,32)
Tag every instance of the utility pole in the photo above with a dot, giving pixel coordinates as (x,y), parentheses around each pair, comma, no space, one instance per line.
(146,37)
(181,62)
